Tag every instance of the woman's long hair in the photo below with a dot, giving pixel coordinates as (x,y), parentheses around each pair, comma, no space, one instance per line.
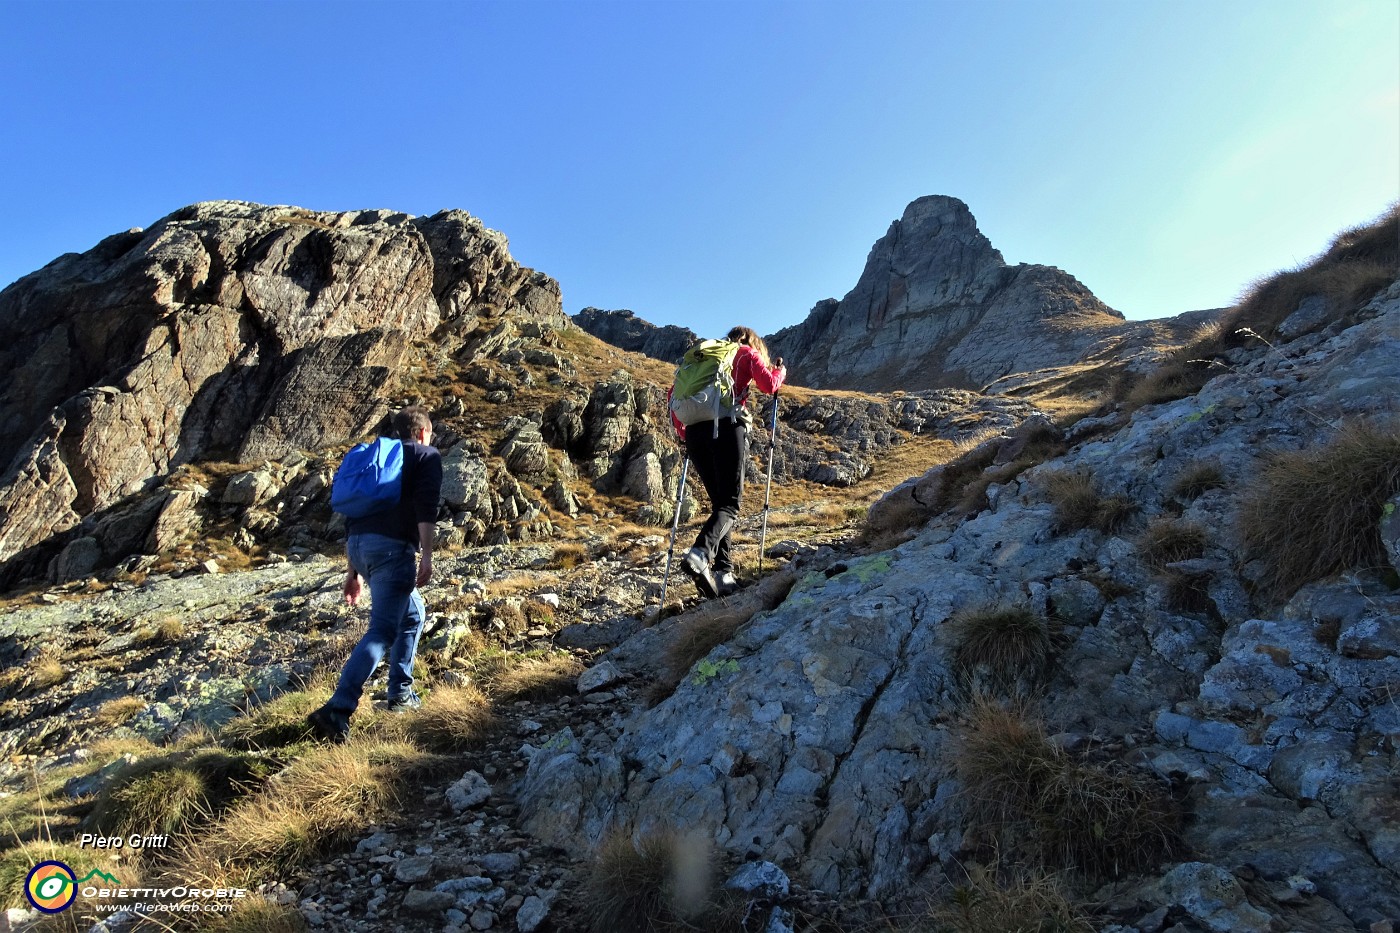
(749,338)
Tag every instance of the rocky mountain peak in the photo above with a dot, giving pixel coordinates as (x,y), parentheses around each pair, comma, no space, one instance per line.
(938,306)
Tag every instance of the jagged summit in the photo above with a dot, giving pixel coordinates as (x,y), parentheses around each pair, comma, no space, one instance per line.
(937,305)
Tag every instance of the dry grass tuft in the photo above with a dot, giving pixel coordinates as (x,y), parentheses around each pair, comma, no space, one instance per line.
(1196,480)
(1358,265)
(538,678)
(1167,540)
(16,863)
(45,671)
(1098,818)
(661,883)
(452,719)
(114,713)
(319,801)
(276,723)
(1035,904)
(1079,504)
(1316,512)
(1009,647)
(257,915)
(168,793)
(569,555)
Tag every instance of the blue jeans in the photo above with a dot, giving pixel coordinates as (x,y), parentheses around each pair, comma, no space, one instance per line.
(396,613)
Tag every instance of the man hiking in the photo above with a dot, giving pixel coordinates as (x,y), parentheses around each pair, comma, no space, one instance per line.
(717,443)
(392,550)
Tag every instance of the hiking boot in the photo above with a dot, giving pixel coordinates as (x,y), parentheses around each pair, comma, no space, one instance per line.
(330,725)
(726,583)
(694,564)
(404,704)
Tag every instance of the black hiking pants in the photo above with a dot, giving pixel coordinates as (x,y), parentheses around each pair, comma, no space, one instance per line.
(720,462)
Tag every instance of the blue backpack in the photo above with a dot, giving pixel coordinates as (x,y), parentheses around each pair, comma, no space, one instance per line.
(370,479)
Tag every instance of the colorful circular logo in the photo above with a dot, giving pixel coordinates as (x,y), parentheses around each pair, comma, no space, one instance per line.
(51,887)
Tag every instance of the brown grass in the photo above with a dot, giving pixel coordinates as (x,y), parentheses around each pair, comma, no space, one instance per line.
(1008,645)
(167,793)
(321,800)
(278,722)
(538,679)
(1195,480)
(1359,264)
(1167,540)
(1079,504)
(661,883)
(1035,904)
(452,719)
(116,712)
(1096,817)
(1314,513)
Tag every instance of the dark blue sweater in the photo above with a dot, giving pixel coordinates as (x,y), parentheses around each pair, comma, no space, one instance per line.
(418,501)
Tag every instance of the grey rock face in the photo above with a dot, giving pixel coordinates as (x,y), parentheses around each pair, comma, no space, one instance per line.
(227,329)
(818,735)
(626,331)
(937,306)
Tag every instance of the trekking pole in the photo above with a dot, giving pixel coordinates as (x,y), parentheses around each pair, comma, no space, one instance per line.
(768,490)
(675,523)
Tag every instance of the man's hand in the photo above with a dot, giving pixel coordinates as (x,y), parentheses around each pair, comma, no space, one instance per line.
(352,588)
(425,569)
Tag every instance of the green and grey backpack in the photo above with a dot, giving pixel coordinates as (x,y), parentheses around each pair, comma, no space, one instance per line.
(703,389)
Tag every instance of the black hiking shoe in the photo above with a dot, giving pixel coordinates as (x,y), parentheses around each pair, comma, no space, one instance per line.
(726,583)
(694,564)
(329,725)
(404,704)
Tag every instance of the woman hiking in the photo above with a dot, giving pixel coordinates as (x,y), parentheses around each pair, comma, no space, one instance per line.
(718,445)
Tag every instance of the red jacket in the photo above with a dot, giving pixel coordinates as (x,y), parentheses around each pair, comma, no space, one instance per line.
(748,368)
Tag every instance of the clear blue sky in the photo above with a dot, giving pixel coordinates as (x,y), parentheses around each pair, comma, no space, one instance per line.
(706,163)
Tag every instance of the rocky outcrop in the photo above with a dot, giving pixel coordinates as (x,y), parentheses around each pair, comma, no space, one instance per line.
(820,737)
(626,331)
(226,330)
(937,306)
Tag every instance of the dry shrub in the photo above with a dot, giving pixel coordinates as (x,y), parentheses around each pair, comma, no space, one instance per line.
(662,882)
(1167,540)
(1079,504)
(319,801)
(1316,512)
(539,678)
(452,719)
(1096,817)
(1035,904)
(1007,645)
(1197,479)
